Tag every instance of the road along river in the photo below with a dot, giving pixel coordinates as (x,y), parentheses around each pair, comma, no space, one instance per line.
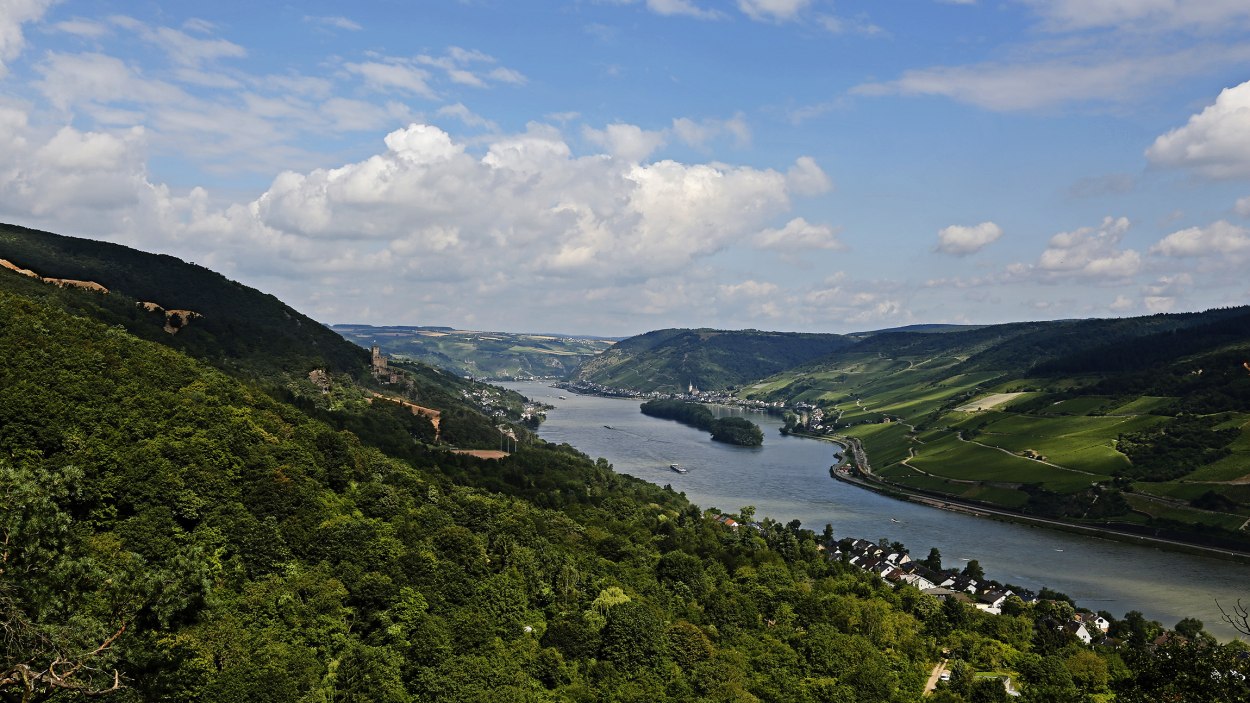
(788,479)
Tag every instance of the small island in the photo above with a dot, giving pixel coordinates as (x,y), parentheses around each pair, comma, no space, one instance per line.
(731,430)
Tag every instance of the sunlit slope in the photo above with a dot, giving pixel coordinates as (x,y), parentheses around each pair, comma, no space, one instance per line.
(1141,420)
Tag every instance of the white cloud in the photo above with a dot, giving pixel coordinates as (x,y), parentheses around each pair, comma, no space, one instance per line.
(773,10)
(13,14)
(626,141)
(961,240)
(698,134)
(841,299)
(749,289)
(1242,207)
(335,22)
(1217,239)
(392,75)
(807,178)
(468,67)
(82,28)
(1215,142)
(835,24)
(1048,82)
(1121,303)
(1092,252)
(1143,14)
(797,235)
(466,116)
(682,7)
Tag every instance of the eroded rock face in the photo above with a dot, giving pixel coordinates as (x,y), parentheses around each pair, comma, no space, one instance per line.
(174,319)
(59,282)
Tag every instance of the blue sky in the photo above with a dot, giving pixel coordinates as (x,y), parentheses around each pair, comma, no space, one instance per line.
(615,166)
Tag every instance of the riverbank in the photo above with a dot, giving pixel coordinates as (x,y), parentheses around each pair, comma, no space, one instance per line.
(943,502)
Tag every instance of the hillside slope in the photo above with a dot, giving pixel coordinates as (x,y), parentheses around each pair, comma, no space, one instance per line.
(489,355)
(247,333)
(672,360)
(240,327)
(1140,423)
(174,533)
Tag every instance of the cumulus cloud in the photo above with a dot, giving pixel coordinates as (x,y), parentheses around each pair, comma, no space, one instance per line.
(797,235)
(1215,142)
(1218,239)
(807,178)
(682,7)
(699,133)
(1092,253)
(625,141)
(1242,207)
(961,240)
(1165,292)
(773,10)
(13,14)
(841,299)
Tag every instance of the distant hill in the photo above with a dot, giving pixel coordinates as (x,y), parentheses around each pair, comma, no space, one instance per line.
(492,355)
(673,359)
(930,328)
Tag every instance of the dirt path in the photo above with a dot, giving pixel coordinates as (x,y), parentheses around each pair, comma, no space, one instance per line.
(931,684)
(434,416)
(482,453)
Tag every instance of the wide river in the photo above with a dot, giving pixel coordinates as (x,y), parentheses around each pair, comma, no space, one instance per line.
(788,479)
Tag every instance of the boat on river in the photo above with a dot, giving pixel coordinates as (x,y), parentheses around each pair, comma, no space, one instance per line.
(678,468)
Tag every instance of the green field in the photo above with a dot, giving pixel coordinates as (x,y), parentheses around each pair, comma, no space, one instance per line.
(954,458)
(1082,443)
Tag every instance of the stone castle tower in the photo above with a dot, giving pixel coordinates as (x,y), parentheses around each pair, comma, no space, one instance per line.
(379,360)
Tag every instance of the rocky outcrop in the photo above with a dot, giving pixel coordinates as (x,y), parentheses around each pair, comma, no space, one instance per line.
(174,319)
(58,282)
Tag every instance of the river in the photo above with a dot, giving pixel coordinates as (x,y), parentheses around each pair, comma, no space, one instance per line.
(788,479)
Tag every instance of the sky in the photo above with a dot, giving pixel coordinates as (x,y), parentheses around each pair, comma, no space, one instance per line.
(611,167)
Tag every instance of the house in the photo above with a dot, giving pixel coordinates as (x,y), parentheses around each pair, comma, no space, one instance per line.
(1077,629)
(960,583)
(1093,621)
(991,602)
(917,580)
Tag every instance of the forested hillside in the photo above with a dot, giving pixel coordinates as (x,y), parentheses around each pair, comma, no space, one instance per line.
(240,328)
(672,360)
(170,532)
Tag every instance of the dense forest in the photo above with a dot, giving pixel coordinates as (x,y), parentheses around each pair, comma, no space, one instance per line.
(176,528)
(730,430)
(674,359)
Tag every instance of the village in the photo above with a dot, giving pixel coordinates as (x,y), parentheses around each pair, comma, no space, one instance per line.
(892,564)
